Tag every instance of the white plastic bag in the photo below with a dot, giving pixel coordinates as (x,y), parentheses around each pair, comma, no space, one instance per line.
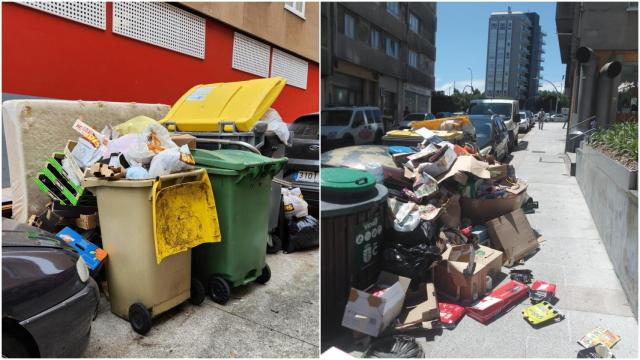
(171,161)
(294,205)
(153,140)
(276,124)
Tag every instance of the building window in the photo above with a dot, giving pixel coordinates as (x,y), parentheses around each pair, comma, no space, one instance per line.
(296,7)
(413,59)
(392,48)
(349,26)
(414,23)
(375,39)
(393,8)
(633,6)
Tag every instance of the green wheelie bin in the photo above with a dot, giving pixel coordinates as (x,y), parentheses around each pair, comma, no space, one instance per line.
(241,182)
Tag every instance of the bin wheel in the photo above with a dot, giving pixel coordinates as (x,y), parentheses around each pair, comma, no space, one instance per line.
(265,276)
(139,318)
(197,292)
(219,290)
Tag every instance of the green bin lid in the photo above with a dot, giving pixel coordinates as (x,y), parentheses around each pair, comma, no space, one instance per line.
(346,180)
(232,159)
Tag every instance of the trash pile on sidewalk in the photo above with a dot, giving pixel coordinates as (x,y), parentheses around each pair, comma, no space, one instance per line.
(454,219)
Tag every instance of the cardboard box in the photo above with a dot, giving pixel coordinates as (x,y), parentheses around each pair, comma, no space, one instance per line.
(513,235)
(185,139)
(371,314)
(450,277)
(482,210)
(87,222)
(423,305)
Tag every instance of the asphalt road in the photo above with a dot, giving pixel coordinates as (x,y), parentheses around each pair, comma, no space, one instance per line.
(279,319)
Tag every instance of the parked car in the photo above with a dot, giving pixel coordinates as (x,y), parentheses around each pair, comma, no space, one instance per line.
(525,122)
(303,167)
(406,122)
(532,117)
(48,298)
(345,126)
(492,136)
(443,114)
(508,109)
(558,118)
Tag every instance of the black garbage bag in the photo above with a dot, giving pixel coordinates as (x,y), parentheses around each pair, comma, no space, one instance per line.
(303,234)
(426,232)
(412,262)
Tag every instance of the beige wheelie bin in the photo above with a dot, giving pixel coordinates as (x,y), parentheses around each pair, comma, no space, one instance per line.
(133,214)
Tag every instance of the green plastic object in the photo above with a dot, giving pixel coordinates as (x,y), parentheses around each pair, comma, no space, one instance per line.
(241,183)
(347,180)
(53,181)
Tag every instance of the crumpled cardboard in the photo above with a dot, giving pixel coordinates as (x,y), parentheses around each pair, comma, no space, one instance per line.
(513,235)
(371,314)
(450,278)
(467,164)
(424,310)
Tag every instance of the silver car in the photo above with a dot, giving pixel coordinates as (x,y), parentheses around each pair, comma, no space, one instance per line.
(346,126)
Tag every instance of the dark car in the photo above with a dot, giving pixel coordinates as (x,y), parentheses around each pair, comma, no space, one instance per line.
(443,114)
(302,169)
(48,298)
(406,122)
(492,136)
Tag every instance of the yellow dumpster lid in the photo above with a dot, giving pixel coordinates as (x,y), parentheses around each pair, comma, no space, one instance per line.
(242,102)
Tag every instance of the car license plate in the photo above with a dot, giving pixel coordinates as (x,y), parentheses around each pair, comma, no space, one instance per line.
(306,176)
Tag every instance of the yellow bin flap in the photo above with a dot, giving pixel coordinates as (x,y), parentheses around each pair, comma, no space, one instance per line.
(434,124)
(184,214)
(410,134)
(243,102)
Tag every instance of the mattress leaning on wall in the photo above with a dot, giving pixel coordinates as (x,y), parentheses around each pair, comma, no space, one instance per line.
(36,128)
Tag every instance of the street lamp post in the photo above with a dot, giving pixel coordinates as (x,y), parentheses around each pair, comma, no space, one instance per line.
(471,71)
(556,89)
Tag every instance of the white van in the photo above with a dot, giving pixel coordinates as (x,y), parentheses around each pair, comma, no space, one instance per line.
(355,125)
(508,109)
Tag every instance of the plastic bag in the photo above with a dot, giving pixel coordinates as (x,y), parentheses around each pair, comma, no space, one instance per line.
(303,234)
(134,125)
(122,144)
(171,161)
(426,232)
(137,173)
(276,124)
(153,140)
(294,204)
(413,262)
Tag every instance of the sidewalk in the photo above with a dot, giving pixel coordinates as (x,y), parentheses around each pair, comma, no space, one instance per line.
(279,319)
(572,256)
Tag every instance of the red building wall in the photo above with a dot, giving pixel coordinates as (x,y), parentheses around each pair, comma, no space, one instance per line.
(49,56)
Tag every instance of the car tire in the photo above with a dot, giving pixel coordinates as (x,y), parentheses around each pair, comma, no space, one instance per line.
(139,318)
(197,292)
(219,290)
(265,276)
(14,346)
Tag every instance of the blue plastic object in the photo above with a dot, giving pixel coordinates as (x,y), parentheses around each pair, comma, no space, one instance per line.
(91,254)
(399,149)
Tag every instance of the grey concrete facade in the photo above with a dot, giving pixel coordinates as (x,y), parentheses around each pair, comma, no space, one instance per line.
(614,208)
(378,54)
(514,55)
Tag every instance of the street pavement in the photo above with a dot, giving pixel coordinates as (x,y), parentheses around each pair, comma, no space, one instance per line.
(279,319)
(571,256)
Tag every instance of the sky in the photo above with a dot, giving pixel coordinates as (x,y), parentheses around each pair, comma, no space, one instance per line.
(461,42)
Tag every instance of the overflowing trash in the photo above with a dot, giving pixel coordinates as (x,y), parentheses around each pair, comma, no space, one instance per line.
(454,219)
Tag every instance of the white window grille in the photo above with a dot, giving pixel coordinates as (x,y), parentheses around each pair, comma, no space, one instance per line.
(250,55)
(92,13)
(160,24)
(290,67)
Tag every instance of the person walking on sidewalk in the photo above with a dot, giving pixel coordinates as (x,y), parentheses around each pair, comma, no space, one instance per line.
(540,120)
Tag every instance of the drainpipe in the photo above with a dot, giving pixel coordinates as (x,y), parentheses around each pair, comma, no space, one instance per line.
(586,87)
(607,99)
